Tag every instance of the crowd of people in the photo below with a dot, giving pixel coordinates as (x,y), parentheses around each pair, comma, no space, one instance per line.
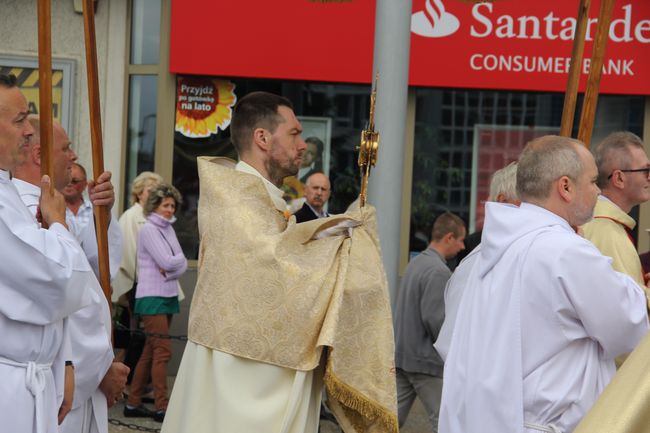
(57,361)
(529,329)
(290,317)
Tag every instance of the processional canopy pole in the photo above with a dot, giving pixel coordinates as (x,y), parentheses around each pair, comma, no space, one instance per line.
(588,113)
(369,146)
(45,89)
(101,212)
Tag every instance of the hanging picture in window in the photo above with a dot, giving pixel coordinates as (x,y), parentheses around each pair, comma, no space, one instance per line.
(203,105)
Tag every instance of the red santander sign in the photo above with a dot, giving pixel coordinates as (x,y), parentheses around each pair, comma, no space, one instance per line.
(506,44)
(524,45)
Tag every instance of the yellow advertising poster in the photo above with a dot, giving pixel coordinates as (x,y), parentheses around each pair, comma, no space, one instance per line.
(27,80)
(203,105)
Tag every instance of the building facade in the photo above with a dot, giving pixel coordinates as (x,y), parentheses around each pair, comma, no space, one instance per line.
(484,79)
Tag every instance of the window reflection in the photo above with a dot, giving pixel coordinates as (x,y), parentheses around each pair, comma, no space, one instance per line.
(346,105)
(141,124)
(145,32)
(445,127)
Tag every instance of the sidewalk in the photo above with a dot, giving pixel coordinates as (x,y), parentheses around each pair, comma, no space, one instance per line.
(417,421)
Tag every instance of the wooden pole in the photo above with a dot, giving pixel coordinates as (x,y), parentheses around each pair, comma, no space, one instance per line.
(595,71)
(571,95)
(45,89)
(101,212)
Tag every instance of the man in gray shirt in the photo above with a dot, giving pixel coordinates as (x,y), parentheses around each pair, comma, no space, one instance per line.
(418,316)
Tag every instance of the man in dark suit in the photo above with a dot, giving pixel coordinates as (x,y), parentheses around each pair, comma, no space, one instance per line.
(317,192)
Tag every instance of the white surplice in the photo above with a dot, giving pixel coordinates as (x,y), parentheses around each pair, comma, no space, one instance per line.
(85,234)
(453,295)
(89,329)
(216,392)
(542,318)
(45,278)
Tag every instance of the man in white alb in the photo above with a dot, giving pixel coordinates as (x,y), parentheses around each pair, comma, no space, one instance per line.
(544,315)
(25,179)
(99,381)
(45,277)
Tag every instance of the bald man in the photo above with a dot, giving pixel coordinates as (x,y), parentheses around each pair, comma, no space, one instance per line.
(317,192)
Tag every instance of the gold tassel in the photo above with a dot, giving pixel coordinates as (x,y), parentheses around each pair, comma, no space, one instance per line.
(350,398)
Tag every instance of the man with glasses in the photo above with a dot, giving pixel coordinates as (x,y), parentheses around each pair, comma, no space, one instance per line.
(624,181)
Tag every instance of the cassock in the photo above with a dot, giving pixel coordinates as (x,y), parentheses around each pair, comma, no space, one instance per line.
(271,296)
(89,328)
(542,318)
(45,277)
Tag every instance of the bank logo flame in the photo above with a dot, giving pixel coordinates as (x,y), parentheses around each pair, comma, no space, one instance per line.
(434,21)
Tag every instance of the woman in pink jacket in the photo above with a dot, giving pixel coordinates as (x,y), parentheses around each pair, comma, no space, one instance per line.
(160,264)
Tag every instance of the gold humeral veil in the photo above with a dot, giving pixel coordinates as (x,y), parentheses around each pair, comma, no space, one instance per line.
(269,291)
(624,405)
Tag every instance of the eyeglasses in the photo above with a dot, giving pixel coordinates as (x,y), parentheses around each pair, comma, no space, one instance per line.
(645,170)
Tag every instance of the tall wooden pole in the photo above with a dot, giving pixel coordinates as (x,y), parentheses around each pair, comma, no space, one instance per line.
(571,95)
(101,212)
(45,89)
(590,103)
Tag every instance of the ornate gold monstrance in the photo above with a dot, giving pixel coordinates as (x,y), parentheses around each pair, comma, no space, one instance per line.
(368,147)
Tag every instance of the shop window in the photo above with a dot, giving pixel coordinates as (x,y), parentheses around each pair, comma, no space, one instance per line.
(141,125)
(341,109)
(450,127)
(147,77)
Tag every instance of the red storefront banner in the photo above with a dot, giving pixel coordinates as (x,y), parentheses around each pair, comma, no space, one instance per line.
(507,44)
(288,39)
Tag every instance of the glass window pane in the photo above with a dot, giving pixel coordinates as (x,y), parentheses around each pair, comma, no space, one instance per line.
(346,107)
(445,123)
(141,124)
(145,32)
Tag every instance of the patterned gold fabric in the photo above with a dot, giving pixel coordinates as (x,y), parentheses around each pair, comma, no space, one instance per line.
(624,406)
(268,291)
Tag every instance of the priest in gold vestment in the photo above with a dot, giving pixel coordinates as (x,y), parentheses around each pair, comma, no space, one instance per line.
(281,309)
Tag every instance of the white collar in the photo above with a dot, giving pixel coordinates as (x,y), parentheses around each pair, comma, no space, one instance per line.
(274,192)
(26,187)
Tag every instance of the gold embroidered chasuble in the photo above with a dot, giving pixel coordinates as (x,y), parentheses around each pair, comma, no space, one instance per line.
(269,291)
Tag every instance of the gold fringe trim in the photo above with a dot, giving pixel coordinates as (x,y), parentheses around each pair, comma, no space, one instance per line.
(352,399)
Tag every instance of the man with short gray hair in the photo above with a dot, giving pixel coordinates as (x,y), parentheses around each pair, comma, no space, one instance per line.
(317,192)
(503,189)
(624,181)
(544,314)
